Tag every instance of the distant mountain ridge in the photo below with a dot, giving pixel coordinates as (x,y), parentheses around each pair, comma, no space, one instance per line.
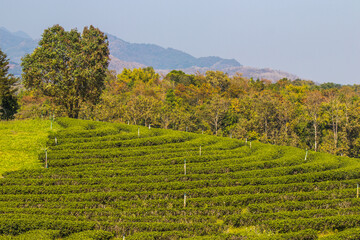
(16,44)
(135,55)
(161,58)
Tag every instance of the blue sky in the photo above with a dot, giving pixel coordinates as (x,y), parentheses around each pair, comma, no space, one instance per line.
(314,39)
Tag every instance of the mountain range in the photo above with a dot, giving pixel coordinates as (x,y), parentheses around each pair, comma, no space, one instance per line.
(134,55)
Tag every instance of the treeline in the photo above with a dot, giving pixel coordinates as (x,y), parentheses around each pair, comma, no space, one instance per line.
(297,113)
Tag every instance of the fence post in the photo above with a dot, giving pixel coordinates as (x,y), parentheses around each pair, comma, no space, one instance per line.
(185,166)
(46,159)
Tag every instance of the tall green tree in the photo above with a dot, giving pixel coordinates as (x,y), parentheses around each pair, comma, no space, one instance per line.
(68,66)
(8,99)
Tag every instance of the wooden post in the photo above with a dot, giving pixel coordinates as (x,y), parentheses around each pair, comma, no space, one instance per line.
(138,132)
(202,131)
(230,135)
(246,140)
(306,154)
(357,191)
(200,151)
(51,123)
(46,160)
(185,166)
(250,144)
(184,200)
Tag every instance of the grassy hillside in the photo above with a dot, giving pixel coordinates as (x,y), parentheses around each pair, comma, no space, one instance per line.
(105,181)
(21,142)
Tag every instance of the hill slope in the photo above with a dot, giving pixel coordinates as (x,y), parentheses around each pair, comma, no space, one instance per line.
(110,180)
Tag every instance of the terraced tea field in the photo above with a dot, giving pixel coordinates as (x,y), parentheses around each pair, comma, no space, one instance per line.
(115,181)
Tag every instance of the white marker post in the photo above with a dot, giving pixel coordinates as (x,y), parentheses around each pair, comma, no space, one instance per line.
(138,132)
(246,140)
(46,160)
(124,237)
(200,151)
(149,126)
(250,144)
(230,135)
(185,166)
(357,191)
(55,141)
(184,200)
(306,154)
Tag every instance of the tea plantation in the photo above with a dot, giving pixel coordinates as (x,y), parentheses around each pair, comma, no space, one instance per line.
(116,181)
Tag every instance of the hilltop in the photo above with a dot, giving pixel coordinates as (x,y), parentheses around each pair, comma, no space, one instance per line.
(109,180)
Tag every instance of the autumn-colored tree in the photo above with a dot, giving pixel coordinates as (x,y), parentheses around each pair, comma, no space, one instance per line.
(215,111)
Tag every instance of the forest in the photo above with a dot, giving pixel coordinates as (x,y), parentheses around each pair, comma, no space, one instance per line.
(320,117)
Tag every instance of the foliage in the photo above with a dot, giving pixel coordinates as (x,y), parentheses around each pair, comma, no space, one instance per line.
(296,113)
(69,67)
(8,99)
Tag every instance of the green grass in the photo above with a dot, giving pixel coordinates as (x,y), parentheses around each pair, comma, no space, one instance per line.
(21,141)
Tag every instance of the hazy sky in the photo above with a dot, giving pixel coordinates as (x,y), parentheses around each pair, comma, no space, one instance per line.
(314,39)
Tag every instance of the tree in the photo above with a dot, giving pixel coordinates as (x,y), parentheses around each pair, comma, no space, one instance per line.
(312,105)
(218,79)
(179,77)
(215,112)
(8,99)
(141,108)
(69,67)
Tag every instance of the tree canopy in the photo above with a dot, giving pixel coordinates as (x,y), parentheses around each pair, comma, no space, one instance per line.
(8,99)
(68,66)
